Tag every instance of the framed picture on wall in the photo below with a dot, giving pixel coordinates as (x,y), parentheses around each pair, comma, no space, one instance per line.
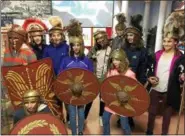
(25,8)
(4,39)
(6,20)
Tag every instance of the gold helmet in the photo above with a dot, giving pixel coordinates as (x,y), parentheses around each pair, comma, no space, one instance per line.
(36,31)
(75,35)
(57,25)
(34,26)
(99,34)
(56,21)
(31,95)
(75,32)
(118,54)
(174,26)
(75,39)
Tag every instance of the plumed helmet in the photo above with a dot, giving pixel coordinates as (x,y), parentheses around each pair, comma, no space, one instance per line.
(118,54)
(34,26)
(57,25)
(75,32)
(36,31)
(56,21)
(121,21)
(174,26)
(135,26)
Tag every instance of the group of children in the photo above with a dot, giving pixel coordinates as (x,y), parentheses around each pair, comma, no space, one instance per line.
(107,59)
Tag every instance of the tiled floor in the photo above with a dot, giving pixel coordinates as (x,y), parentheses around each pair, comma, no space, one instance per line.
(92,126)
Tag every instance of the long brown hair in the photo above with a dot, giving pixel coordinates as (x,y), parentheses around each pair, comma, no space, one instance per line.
(71,52)
(137,41)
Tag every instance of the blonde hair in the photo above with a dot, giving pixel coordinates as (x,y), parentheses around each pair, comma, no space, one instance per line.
(124,63)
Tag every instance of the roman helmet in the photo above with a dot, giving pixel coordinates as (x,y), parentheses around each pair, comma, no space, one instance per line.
(101,38)
(99,34)
(174,26)
(135,26)
(121,22)
(16,32)
(75,34)
(134,30)
(34,26)
(57,25)
(31,96)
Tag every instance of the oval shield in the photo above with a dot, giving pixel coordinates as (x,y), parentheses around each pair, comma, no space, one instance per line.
(125,96)
(76,86)
(39,124)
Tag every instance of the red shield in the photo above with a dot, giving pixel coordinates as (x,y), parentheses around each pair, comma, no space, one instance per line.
(138,101)
(84,79)
(39,124)
(38,76)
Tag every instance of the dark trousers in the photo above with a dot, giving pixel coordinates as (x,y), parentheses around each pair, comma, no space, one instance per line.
(89,105)
(87,109)
(102,105)
(155,98)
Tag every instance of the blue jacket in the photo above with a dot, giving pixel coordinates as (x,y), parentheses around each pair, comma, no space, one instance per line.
(138,62)
(72,62)
(56,54)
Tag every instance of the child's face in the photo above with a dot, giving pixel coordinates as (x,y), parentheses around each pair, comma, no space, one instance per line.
(76,48)
(130,37)
(169,43)
(31,106)
(116,63)
(119,32)
(102,41)
(56,37)
(37,39)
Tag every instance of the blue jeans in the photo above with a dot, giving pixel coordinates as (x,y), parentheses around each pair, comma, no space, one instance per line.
(106,124)
(72,118)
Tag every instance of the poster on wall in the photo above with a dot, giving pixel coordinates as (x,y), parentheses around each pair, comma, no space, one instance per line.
(6,20)
(87,36)
(25,8)
(89,13)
